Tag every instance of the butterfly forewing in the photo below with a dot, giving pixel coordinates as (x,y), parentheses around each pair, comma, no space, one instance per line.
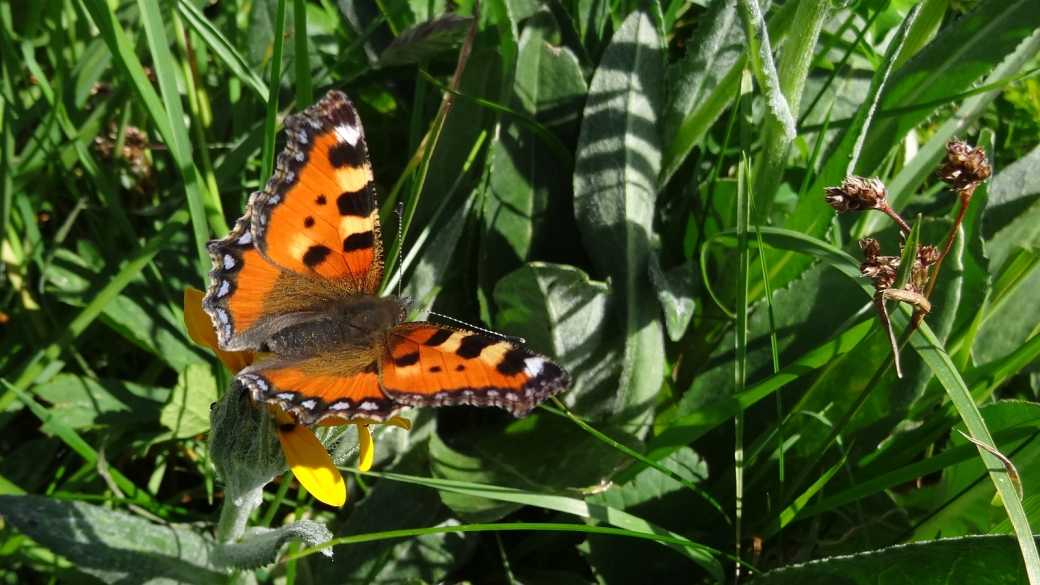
(431,365)
(297,279)
(318,216)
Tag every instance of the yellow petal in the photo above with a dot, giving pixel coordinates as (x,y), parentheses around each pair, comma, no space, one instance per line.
(366,447)
(200,329)
(400,422)
(311,464)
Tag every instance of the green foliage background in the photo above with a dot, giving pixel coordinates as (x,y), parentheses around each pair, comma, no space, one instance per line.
(635,188)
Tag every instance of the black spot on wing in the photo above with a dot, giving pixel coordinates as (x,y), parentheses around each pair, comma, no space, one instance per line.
(471,346)
(512,362)
(372,368)
(359,241)
(438,338)
(315,255)
(344,155)
(435,369)
(357,203)
(320,200)
(460,368)
(408,359)
(308,222)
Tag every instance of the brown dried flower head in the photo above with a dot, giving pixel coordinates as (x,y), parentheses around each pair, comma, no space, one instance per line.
(965,166)
(856,194)
(870,247)
(928,255)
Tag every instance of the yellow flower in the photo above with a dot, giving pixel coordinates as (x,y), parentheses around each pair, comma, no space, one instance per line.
(307,457)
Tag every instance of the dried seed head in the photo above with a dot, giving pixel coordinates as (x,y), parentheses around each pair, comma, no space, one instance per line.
(928,255)
(871,248)
(856,194)
(965,166)
(880,269)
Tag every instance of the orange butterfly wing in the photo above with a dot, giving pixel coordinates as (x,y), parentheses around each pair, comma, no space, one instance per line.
(431,365)
(304,389)
(297,277)
(318,216)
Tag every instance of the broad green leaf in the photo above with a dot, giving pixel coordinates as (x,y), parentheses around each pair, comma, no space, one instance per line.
(392,505)
(187,412)
(541,453)
(79,402)
(703,83)
(701,554)
(528,214)
(954,60)
(615,182)
(564,315)
(677,291)
(114,546)
(658,499)
(985,560)
(426,39)
(1012,211)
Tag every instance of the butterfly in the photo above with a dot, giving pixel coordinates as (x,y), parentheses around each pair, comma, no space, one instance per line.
(298,277)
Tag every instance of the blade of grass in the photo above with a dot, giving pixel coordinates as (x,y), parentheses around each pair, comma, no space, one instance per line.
(648,462)
(180,145)
(304,86)
(42,360)
(271,122)
(701,554)
(222,48)
(939,361)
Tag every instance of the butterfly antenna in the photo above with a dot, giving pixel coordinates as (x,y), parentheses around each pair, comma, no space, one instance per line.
(400,245)
(513,338)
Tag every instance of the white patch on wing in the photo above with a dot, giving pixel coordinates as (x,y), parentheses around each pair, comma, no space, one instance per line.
(225,287)
(348,134)
(286,395)
(340,406)
(309,404)
(229,262)
(247,238)
(223,316)
(533,366)
(368,405)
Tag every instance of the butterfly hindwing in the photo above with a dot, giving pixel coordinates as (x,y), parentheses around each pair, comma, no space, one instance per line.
(431,365)
(308,389)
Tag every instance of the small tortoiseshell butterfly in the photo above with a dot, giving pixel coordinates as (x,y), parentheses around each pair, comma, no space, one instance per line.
(298,278)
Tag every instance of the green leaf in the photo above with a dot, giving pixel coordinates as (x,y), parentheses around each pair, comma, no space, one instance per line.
(677,290)
(812,216)
(969,506)
(564,315)
(554,455)
(658,499)
(113,546)
(529,206)
(955,59)
(394,505)
(703,83)
(187,412)
(615,182)
(425,40)
(984,560)
(79,402)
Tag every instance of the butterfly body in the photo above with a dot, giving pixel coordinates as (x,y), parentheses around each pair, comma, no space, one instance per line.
(297,280)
